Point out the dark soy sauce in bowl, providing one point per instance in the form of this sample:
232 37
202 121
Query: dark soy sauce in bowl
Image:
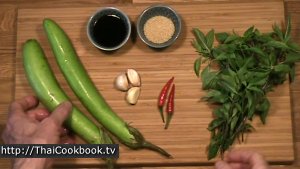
110 31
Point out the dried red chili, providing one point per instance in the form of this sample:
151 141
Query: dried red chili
170 106
163 97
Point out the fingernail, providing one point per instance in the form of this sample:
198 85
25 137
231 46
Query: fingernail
64 131
65 107
66 104
42 114
68 140
31 99
69 105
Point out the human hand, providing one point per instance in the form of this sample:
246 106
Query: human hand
242 160
28 124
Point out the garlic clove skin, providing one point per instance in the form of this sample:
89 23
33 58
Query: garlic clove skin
133 94
121 82
133 77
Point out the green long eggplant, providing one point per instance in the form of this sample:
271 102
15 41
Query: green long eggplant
90 97
47 89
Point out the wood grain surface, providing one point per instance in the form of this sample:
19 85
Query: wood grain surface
187 137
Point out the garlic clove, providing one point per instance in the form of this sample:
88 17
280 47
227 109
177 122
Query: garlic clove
134 77
133 95
121 82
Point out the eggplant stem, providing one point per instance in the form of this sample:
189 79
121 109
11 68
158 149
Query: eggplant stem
140 142
106 139
154 147
110 163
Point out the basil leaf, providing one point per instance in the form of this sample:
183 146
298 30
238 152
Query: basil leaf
292 57
263 109
221 37
292 73
218 112
255 89
272 58
197 65
251 104
197 46
233 123
214 124
212 151
287 34
229 79
228 143
282 68
207 78
247 127
260 81
249 31
222 56
215 96
201 40
231 38
278 32
257 51
277 44
294 46
210 36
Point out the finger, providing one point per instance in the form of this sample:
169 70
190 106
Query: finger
239 166
67 140
4 137
64 131
49 163
222 165
24 104
239 156
249 157
60 114
38 114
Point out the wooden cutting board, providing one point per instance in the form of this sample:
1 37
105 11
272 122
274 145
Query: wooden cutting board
187 137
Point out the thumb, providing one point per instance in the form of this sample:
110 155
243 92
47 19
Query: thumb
60 114
222 165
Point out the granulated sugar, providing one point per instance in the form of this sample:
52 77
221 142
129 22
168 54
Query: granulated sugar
159 29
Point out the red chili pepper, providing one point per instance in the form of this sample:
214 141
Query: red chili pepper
163 97
170 106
